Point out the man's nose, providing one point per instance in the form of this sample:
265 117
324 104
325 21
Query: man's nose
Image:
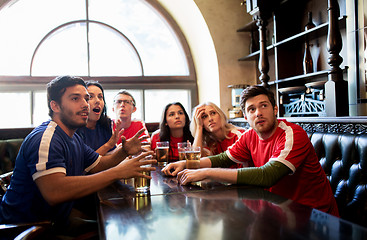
85 103
258 112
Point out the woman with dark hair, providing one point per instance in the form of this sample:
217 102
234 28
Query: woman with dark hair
174 128
98 133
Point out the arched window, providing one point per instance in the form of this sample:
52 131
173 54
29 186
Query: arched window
132 44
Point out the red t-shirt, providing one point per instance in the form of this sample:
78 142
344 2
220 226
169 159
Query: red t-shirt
173 150
130 132
291 146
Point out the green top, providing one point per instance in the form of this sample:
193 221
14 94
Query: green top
264 176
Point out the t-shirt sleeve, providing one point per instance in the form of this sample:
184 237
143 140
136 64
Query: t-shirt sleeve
239 152
145 133
45 154
291 147
91 158
155 139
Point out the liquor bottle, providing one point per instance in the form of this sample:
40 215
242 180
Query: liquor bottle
307 60
309 24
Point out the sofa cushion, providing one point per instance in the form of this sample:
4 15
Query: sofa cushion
8 153
344 160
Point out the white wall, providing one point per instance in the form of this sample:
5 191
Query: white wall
193 25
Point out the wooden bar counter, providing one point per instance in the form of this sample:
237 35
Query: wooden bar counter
210 210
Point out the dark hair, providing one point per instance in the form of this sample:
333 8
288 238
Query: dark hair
253 91
165 132
104 120
57 87
125 92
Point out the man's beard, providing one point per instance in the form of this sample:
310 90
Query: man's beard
67 121
267 130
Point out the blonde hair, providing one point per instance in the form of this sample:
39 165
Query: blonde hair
209 138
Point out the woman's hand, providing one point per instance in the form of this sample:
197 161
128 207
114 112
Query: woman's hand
199 112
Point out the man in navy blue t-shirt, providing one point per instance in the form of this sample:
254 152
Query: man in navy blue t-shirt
49 173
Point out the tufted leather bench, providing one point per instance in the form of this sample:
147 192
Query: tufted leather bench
8 153
344 160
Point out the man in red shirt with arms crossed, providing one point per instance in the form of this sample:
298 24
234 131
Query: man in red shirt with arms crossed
283 157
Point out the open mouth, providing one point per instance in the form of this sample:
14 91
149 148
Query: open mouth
96 110
83 114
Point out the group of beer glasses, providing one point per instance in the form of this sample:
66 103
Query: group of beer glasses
185 152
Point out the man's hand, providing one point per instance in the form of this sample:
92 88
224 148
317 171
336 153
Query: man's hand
117 134
175 166
191 175
134 145
131 167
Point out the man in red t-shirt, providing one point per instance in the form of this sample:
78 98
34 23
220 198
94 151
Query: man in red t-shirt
124 107
283 157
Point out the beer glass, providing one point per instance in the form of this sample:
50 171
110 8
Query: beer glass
141 184
161 152
193 155
181 149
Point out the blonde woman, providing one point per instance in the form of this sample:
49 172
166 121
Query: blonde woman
211 130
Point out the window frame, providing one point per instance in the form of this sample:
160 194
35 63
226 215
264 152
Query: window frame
189 82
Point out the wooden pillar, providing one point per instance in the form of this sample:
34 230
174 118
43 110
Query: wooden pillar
336 89
261 10
263 57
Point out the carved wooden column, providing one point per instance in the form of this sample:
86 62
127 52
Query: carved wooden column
263 57
261 10
336 89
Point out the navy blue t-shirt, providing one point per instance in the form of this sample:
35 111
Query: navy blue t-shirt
46 150
95 138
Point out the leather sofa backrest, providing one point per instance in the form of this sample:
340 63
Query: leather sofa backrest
8 153
344 160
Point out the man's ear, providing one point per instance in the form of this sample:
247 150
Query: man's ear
244 115
134 110
55 106
275 110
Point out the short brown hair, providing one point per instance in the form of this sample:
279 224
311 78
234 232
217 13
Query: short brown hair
57 87
253 91
125 92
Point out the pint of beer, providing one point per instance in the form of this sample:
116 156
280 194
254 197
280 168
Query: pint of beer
141 184
193 155
161 152
181 147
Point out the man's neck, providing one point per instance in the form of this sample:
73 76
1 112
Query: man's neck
268 134
125 122
68 131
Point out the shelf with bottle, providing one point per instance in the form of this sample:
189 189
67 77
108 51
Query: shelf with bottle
308 76
311 34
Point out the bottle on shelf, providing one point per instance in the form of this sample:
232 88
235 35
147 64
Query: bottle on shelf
309 24
307 59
